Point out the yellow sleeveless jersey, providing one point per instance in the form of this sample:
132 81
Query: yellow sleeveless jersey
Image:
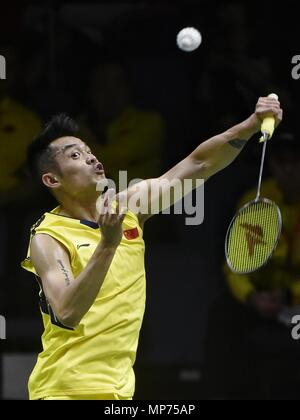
97 357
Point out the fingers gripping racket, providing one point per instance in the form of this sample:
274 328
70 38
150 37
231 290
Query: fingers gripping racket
255 230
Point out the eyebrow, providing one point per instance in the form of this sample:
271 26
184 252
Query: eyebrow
70 146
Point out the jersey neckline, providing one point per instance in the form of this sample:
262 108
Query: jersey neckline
88 223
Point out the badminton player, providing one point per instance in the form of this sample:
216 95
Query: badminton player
90 263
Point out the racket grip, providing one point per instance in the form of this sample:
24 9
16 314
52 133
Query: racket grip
268 124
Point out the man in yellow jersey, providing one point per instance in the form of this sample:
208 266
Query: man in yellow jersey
90 263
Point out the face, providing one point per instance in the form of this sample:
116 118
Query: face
80 169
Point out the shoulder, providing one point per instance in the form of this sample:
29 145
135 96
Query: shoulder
43 221
37 224
49 219
52 230
44 244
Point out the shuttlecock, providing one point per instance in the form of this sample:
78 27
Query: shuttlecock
189 39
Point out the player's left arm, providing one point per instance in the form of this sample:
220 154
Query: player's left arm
206 160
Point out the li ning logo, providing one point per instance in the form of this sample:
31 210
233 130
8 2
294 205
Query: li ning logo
2 68
254 236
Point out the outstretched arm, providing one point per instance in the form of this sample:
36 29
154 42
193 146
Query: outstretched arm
207 159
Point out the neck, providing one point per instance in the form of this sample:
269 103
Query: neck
80 209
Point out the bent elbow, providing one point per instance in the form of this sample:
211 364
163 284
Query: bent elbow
68 319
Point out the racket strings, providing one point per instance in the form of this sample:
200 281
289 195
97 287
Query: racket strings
253 236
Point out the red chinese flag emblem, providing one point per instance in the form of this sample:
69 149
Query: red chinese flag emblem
131 234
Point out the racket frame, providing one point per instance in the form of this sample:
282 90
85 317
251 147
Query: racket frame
265 201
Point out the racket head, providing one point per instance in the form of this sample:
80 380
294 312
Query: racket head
253 236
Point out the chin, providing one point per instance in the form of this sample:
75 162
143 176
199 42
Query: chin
100 178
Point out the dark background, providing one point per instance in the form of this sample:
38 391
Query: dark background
197 94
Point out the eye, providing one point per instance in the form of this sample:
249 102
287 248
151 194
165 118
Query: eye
89 152
75 155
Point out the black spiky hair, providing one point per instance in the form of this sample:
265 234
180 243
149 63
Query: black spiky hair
40 154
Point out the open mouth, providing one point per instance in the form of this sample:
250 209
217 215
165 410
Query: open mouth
99 168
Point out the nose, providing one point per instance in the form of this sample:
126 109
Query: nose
91 160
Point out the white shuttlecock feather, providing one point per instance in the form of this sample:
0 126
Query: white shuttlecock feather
189 39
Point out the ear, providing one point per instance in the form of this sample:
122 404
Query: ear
51 180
